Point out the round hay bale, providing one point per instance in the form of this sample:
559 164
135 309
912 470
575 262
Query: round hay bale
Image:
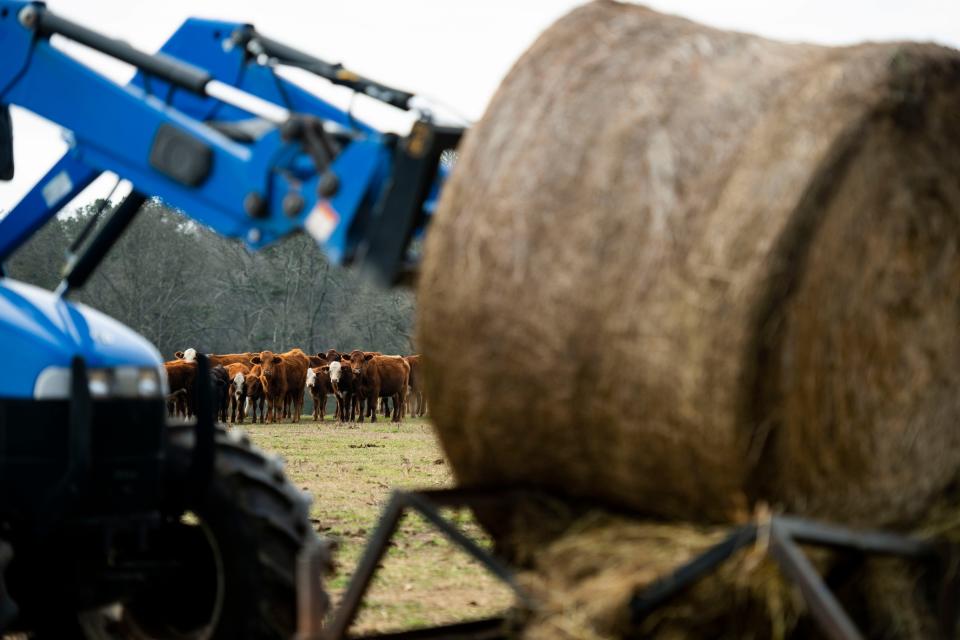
683 270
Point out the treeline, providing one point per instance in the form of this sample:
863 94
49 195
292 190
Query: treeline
181 285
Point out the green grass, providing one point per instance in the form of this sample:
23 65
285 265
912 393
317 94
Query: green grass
350 470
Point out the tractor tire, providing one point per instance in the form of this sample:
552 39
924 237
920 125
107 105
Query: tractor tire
242 536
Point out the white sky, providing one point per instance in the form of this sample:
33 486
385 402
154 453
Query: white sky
454 51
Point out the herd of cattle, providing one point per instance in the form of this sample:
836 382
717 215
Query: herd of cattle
271 386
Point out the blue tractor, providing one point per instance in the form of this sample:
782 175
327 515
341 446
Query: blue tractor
115 522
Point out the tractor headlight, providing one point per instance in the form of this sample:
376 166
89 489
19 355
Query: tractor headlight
99 382
53 383
148 383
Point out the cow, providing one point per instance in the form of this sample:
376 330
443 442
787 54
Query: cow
417 399
177 402
273 380
180 377
255 394
220 384
384 377
190 355
284 378
238 373
357 356
331 355
319 385
344 381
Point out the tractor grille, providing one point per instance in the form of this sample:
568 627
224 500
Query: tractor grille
126 461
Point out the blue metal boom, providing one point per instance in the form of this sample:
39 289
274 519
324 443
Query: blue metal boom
266 185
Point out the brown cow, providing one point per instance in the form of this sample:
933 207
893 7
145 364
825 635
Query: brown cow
418 400
284 378
384 377
274 382
332 355
180 377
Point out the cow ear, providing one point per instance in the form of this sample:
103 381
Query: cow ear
325 368
321 356
277 360
368 356
178 355
255 359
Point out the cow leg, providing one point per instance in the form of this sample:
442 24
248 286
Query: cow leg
374 401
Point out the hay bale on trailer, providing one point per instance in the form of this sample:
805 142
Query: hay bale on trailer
686 271
681 270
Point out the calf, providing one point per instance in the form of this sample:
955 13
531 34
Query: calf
344 381
220 382
256 398
177 403
238 373
384 377
319 385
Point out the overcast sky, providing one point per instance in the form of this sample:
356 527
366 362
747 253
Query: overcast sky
455 51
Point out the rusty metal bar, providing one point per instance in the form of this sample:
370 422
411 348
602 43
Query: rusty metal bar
423 503
346 613
826 610
504 573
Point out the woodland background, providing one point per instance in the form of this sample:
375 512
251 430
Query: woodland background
180 285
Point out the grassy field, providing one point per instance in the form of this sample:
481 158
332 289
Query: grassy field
350 470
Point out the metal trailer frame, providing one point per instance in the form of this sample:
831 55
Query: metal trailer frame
783 533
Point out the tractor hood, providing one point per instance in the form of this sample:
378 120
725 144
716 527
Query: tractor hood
38 330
